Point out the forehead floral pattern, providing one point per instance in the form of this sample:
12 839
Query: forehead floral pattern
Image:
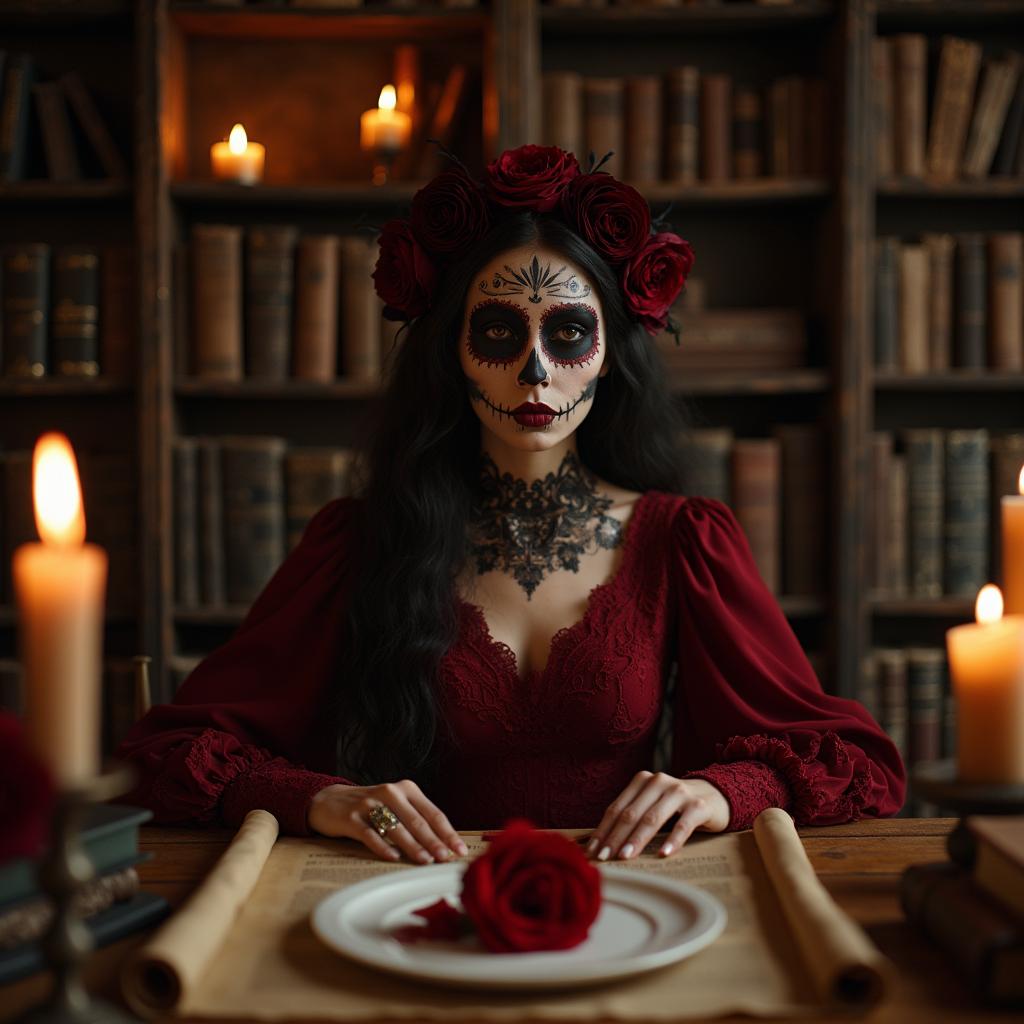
454 211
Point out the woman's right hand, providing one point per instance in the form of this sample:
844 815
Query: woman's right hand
424 834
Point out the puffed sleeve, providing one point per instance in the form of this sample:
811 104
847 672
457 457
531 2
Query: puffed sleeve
247 728
751 716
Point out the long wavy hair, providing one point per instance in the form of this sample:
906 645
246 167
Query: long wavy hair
420 468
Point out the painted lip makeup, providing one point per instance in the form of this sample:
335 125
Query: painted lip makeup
533 414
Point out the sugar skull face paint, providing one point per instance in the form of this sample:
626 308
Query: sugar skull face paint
532 347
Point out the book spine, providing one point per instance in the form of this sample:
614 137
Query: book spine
913 308
14 116
926 668
26 309
360 310
971 301
312 479
316 309
563 111
954 95
866 692
716 127
55 128
1013 132
882 105
683 119
75 311
217 301
747 127
755 485
643 128
803 517
940 300
604 120
706 459
186 524
778 129
910 103
887 317
1006 301
892 696
797 126
998 82
818 139
925 463
254 534
118 306
1007 458
269 280
92 124
211 523
878 538
894 581
967 511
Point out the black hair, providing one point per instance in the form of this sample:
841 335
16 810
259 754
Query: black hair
421 468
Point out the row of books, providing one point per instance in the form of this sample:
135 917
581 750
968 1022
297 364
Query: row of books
109 494
240 504
35 111
934 522
66 310
974 127
690 125
946 300
776 486
269 305
648 4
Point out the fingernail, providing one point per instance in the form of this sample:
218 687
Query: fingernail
393 853
626 851
461 848
665 850
423 857
441 853
606 852
591 847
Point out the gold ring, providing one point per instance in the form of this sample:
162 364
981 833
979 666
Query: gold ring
383 819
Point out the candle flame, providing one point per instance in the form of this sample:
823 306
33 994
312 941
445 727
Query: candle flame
388 99
1020 481
57 494
989 606
238 140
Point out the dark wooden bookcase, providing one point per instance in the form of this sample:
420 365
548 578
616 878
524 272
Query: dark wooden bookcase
179 73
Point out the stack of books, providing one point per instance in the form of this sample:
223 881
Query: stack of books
973 906
112 903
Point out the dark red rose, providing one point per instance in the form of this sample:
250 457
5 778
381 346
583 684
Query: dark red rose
443 923
449 214
530 891
654 277
404 276
609 214
531 177
26 793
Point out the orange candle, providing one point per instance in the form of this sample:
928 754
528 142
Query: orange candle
59 586
1012 508
384 127
986 666
238 159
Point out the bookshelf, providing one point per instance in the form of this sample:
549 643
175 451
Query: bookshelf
804 242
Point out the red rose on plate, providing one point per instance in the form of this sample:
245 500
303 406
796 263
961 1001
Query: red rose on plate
654 277
531 891
450 213
609 214
404 276
531 177
26 793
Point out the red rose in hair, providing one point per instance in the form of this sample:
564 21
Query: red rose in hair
654 277
609 214
530 891
404 276
450 213
531 177
26 793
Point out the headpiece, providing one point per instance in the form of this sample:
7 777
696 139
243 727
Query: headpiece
454 210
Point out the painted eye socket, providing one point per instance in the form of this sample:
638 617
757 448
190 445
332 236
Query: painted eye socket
497 332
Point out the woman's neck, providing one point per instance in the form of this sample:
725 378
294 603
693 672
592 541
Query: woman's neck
499 458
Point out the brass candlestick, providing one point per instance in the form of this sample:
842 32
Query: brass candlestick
64 869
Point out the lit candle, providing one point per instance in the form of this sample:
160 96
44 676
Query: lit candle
384 127
59 585
238 159
986 666
1012 507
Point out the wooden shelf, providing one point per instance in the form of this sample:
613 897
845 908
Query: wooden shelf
923 608
894 14
954 380
633 21
45 13
61 387
65 192
351 194
987 188
756 191
286 390
778 382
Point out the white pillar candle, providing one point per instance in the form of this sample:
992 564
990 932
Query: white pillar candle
384 127
59 587
238 159
1012 508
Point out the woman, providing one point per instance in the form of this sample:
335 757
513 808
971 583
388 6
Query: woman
488 631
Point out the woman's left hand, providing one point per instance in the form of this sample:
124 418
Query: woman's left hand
640 810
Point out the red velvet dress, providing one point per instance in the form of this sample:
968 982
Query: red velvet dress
249 727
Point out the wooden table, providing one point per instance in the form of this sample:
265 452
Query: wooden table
859 863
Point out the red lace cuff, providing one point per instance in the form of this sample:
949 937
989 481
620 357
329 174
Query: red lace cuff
277 786
749 787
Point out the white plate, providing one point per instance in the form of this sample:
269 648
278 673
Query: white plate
645 923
